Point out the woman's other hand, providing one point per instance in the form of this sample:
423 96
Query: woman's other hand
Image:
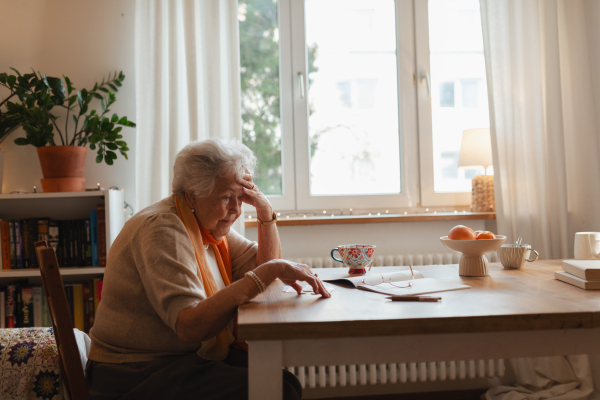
291 272
253 196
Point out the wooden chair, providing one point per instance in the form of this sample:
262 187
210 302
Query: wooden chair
70 361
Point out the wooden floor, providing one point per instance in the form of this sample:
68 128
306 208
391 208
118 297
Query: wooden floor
452 395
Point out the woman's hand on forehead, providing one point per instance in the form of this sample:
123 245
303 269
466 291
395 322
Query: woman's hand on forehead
253 196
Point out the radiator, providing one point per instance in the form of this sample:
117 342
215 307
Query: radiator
395 260
381 374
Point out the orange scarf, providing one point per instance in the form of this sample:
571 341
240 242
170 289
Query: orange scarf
215 348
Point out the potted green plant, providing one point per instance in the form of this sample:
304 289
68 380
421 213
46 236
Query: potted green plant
32 102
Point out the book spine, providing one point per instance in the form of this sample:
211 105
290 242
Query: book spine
53 233
43 226
64 249
46 320
25 233
78 313
87 321
80 243
94 232
18 245
18 309
87 235
101 235
11 305
42 229
2 310
26 307
72 245
37 307
33 234
5 236
13 249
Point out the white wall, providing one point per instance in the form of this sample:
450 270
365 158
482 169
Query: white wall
83 40
390 238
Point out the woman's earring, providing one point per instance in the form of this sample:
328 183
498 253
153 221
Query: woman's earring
193 210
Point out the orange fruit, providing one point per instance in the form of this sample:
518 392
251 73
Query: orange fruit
461 232
486 235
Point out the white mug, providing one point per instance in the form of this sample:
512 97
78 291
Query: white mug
515 257
587 246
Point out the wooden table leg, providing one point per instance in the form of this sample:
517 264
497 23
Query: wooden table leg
265 364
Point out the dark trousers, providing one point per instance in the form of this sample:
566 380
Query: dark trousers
179 377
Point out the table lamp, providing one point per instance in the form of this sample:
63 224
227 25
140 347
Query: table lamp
476 151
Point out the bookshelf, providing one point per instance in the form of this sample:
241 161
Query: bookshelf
69 205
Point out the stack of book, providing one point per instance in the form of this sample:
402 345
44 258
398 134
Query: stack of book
581 273
24 306
76 242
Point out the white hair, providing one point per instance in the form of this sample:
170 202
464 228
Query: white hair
199 163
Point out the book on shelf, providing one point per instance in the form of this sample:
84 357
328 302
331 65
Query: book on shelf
388 283
37 306
11 305
74 242
18 245
94 233
5 244
13 250
25 306
101 235
26 246
53 233
32 224
86 248
576 281
585 269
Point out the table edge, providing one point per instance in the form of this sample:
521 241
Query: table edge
424 326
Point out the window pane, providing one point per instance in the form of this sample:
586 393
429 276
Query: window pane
459 90
261 116
353 97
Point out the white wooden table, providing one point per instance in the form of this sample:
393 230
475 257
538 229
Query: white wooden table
512 313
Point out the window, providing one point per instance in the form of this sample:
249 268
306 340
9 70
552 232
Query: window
340 106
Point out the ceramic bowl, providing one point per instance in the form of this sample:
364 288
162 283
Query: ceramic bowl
473 261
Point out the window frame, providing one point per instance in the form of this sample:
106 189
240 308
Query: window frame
429 197
414 110
408 197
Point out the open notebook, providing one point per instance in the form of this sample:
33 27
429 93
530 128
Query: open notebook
421 285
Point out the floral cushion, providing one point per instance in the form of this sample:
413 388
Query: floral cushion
29 365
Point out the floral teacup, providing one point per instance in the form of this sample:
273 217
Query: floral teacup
357 257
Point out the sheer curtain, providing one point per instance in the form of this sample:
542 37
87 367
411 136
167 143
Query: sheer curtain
539 58
187 82
544 98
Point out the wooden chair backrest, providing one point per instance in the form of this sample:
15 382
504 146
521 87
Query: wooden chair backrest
70 361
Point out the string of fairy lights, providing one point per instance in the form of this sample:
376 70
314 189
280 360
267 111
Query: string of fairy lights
344 213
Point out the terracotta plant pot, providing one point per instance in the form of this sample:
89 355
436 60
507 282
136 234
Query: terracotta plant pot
62 167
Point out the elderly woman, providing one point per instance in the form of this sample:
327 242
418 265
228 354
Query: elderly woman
175 276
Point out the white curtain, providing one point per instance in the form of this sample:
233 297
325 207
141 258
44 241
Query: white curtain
187 84
540 55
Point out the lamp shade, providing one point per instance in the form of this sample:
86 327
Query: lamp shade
475 148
